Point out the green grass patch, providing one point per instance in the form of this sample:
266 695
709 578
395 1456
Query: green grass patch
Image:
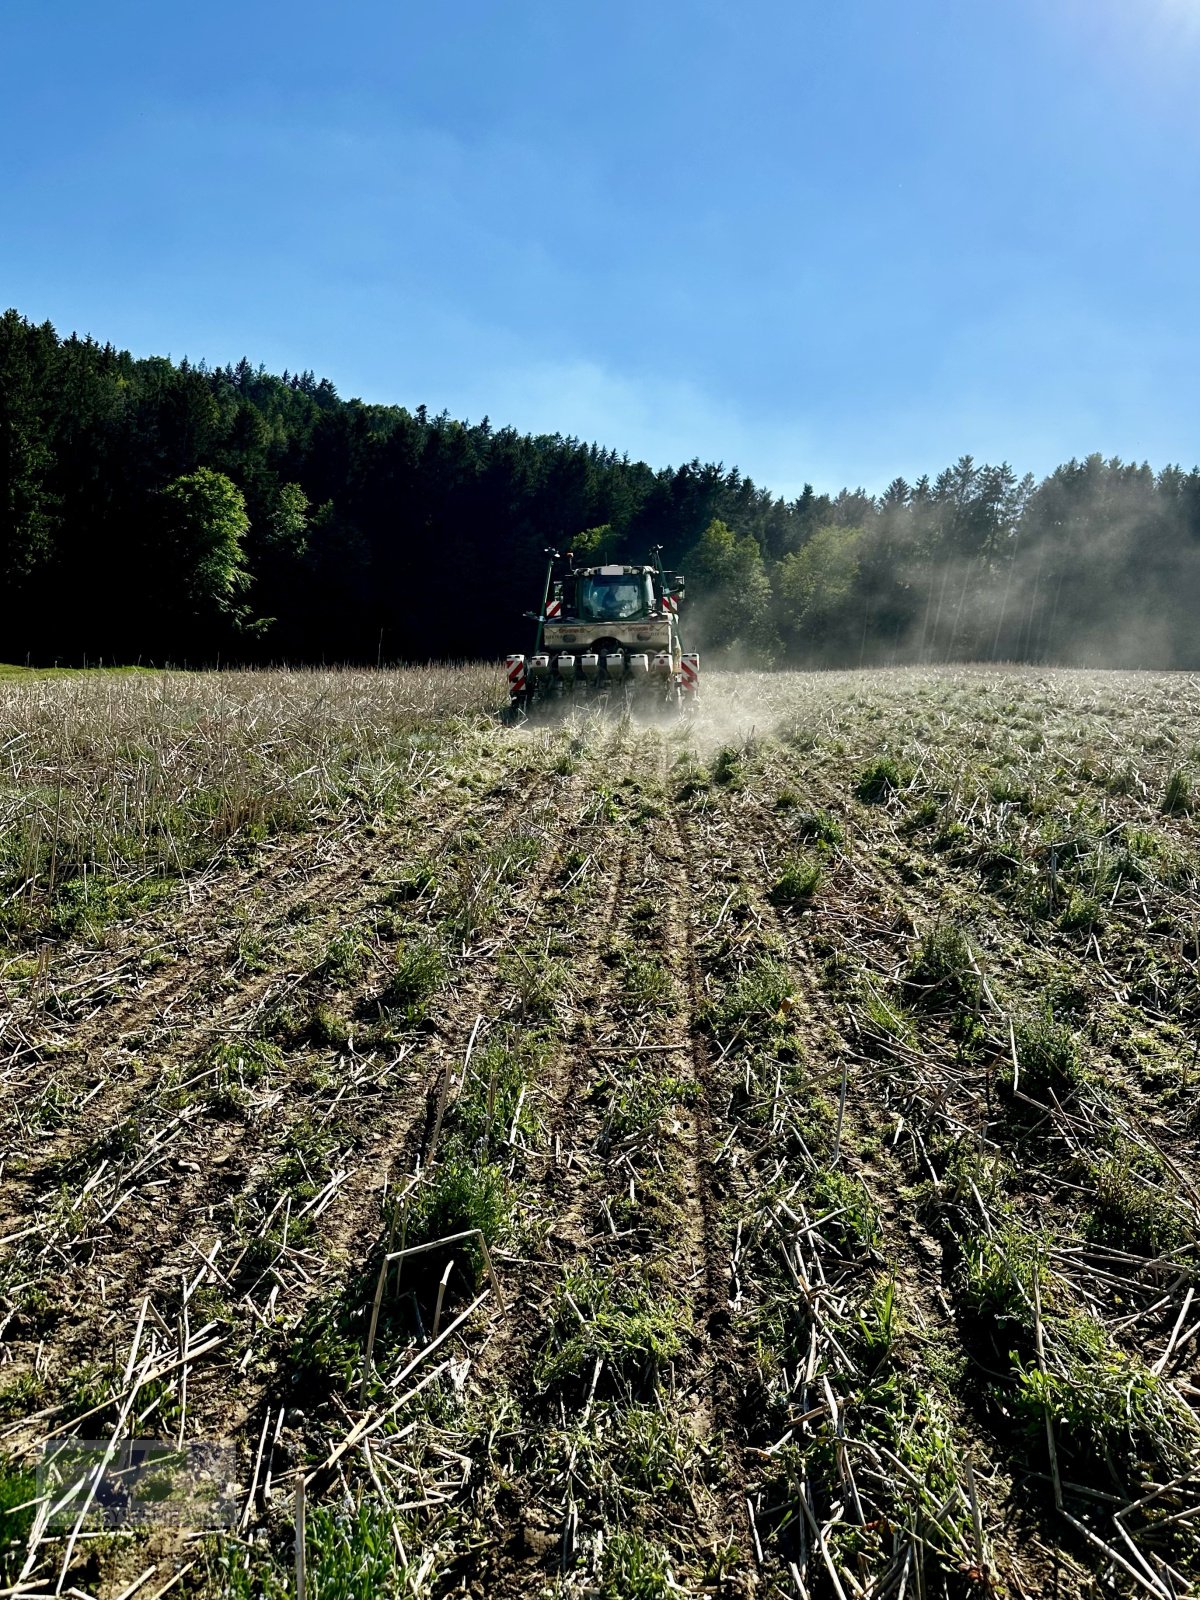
728 769
755 1005
343 960
887 1015
819 827
624 1320
638 1097
942 967
798 880
634 1568
1048 1057
997 1279
494 1103
628 1455
351 1554
1081 914
17 1486
645 979
856 1223
463 1193
418 972
1129 1213
83 906
1106 1404
21 1395
538 982
414 882
1177 796
881 779
238 1068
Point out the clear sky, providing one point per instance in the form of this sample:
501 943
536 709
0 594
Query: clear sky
826 240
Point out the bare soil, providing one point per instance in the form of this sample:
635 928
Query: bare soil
820 1077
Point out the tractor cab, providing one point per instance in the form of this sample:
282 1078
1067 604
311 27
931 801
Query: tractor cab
614 594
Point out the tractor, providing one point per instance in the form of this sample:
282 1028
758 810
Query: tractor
608 632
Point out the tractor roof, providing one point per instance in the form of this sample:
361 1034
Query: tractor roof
611 572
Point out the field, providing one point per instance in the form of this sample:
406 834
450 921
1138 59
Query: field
759 1157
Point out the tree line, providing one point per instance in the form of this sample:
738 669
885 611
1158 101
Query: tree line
160 511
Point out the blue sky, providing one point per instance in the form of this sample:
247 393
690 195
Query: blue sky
828 242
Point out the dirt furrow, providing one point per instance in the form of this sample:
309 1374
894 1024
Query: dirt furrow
716 1185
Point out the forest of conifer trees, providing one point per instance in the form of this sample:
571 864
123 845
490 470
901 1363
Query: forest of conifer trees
157 511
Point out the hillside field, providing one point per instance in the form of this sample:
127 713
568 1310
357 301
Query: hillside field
755 1156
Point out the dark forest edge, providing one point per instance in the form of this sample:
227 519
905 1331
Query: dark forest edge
156 511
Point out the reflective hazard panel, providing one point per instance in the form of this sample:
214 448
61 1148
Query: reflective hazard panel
516 674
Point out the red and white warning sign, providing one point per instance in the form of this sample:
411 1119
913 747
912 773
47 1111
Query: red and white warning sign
516 674
553 608
689 673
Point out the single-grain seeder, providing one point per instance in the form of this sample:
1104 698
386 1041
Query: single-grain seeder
606 634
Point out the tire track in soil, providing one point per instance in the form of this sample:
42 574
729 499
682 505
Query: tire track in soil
567 1170
746 829
703 1380
866 1120
724 1383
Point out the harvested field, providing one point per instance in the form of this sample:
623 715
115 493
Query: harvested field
759 1157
